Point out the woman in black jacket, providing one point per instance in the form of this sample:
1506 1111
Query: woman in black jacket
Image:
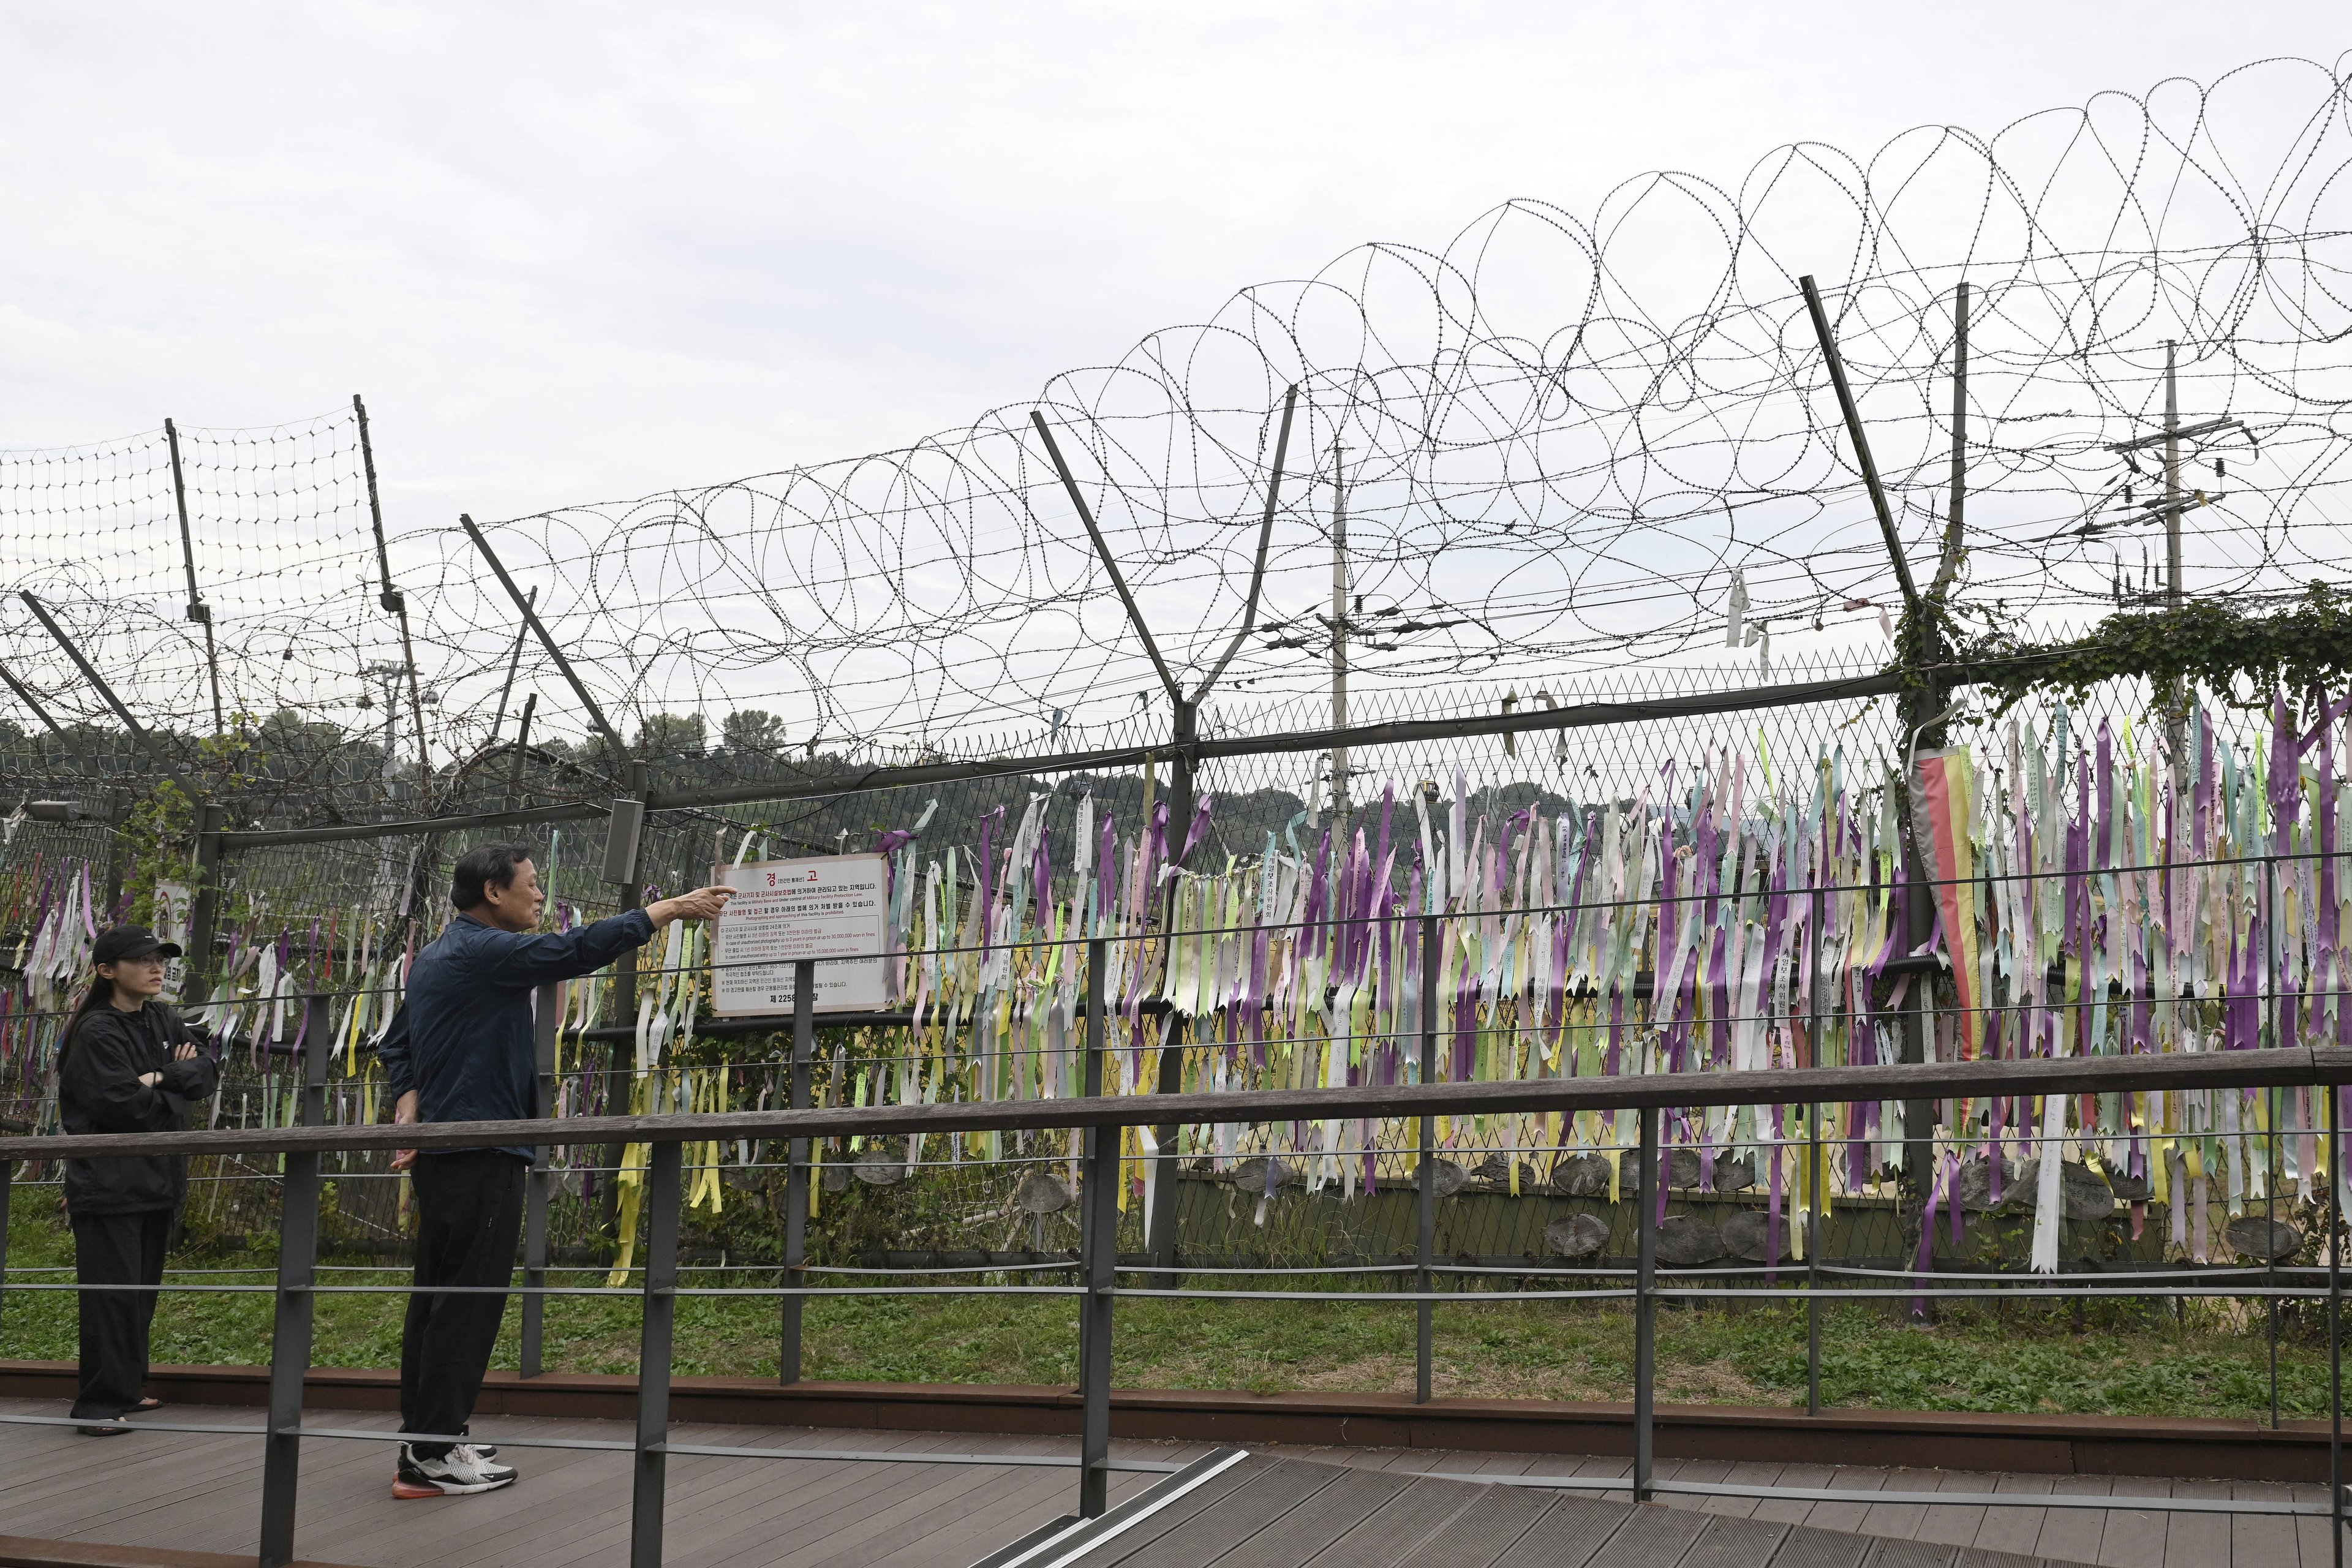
129 1064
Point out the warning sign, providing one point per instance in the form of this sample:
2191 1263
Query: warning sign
831 907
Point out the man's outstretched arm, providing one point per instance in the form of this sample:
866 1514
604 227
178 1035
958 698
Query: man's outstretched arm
516 958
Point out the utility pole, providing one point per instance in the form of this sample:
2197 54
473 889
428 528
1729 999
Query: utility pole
2176 698
1338 636
2171 477
2176 587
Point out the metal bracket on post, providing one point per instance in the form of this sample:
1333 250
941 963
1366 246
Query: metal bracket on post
538 1185
289 1345
796 1174
664 1192
1645 1307
1097 1261
1425 1174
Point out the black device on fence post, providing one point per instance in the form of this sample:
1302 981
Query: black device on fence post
1097 1262
796 1175
538 1185
1425 1174
664 1195
1646 1303
290 1341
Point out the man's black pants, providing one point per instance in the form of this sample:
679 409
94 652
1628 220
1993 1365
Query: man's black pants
116 1249
469 1215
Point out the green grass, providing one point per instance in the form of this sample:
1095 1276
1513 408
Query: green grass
2115 1359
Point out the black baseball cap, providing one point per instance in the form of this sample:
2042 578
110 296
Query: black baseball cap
116 943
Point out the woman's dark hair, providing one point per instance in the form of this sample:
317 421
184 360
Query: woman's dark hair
484 866
100 993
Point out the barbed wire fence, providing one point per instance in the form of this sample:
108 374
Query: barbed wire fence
1567 464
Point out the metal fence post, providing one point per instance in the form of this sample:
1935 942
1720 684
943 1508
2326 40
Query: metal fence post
204 908
289 1342
538 1186
1645 1306
796 1175
1097 1262
1425 1176
663 1192
637 783
1813 1169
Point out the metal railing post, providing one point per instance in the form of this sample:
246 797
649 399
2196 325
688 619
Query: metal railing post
1425 1176
1814 1261
664 1192
1097 1262
796 1174
2273 953
290 1341
538 1186
8 1182
1645 1306
2335 1326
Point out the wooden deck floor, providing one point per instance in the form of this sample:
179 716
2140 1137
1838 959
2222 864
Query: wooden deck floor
570 1508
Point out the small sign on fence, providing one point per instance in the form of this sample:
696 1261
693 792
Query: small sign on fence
830 906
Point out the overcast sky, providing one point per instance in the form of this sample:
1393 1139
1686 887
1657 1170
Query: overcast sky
583 251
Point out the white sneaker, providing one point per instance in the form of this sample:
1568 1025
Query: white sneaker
460 1471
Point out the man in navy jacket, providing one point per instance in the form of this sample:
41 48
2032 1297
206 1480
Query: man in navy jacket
460 1050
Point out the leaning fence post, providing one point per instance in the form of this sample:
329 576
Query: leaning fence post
796 1176
1646 1321
1425 1174
1097 1262
662 1191
538 1184
289 1342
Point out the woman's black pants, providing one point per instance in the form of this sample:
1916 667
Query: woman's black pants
117 1249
